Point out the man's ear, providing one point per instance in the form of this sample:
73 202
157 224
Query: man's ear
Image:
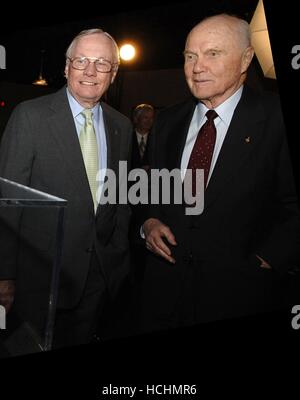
113 76
66 70
247 58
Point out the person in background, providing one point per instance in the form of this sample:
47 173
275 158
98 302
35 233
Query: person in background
143 118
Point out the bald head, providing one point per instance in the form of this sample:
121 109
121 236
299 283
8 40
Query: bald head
217 56
236 28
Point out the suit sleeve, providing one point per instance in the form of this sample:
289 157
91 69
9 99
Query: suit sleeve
152 210
281 247
124 210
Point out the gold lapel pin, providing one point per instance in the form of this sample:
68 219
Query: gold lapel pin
247 139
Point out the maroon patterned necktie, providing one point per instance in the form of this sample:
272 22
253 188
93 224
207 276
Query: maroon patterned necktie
203 149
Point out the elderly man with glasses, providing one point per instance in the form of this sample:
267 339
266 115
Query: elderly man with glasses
57 144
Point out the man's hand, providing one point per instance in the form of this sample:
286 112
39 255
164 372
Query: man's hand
155 231
7 293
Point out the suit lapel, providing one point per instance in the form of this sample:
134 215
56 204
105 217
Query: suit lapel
241 140
112 139
112 134
62 126
178 134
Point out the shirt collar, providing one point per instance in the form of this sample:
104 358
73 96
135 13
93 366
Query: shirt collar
77 108
225 110
140 135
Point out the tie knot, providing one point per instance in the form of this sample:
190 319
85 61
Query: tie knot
211 115
87 113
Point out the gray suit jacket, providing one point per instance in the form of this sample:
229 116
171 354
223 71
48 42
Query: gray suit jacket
40 148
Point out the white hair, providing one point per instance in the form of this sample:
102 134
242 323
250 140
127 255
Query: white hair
140 108
93 31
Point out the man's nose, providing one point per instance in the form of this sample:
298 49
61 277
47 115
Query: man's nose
199 65
91 69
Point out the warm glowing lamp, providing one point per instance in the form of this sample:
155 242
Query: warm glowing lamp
127 52
41 81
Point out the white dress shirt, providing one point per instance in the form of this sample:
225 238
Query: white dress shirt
139 137
98 122
225 112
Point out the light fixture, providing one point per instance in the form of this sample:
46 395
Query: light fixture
127 52
41 81
261 41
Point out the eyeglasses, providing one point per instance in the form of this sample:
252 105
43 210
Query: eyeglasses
101 64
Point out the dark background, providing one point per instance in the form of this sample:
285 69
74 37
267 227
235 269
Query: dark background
230 359
158 29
